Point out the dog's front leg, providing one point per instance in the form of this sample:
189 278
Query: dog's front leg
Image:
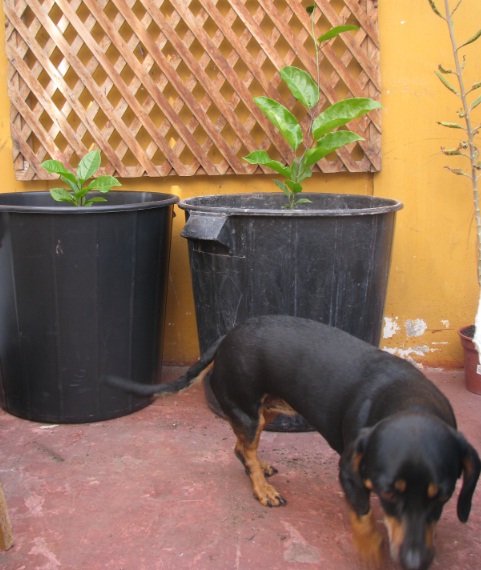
365 535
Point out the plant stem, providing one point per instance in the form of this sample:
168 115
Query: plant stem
469 130
312 112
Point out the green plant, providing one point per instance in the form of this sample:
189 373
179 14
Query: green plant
321 136
77 194
467 124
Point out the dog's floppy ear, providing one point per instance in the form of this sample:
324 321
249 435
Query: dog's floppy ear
356 490
358 449
471 468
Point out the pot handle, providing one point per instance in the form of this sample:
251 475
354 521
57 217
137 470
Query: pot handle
206 227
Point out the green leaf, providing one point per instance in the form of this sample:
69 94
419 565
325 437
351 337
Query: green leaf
443 70
81 192
301 85
446 83
471 39
71 180
283 187
458 171
341 113
61 195
333 32
294 187
94 200
103 183
282 119
475 103
261 157
304 201
310 9
88 166
55 167
475 86
302 170
450 125
329 143
450 151
435 9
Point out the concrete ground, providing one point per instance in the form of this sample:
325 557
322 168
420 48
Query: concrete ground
161 489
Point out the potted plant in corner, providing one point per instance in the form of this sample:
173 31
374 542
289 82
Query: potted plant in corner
319 256
82 294
470 100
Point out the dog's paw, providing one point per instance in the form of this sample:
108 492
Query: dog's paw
268 496
268 469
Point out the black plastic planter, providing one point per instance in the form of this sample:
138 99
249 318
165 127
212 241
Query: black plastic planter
328 261
82 294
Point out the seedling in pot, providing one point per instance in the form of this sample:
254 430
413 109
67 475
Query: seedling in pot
78 182
321 136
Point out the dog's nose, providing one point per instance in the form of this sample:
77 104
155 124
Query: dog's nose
414 559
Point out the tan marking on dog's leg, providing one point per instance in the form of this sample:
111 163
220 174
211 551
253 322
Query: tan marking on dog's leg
367 538
266 494
269 416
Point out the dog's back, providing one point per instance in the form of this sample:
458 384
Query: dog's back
323 373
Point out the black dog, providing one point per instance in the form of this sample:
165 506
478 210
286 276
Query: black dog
395 431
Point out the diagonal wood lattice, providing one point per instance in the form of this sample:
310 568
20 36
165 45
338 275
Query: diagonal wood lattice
166 87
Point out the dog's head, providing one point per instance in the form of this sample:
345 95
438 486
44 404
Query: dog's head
412 462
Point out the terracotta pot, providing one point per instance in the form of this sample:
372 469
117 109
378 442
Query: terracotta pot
472 367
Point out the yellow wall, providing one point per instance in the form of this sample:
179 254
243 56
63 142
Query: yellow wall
433 289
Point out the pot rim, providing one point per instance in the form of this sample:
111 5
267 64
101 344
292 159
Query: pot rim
381 205
137 201
461 332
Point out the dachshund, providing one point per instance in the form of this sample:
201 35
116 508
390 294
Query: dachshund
394 430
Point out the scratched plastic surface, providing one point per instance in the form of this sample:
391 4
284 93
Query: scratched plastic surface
328 261
82 294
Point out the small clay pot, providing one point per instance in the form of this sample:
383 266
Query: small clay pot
472 367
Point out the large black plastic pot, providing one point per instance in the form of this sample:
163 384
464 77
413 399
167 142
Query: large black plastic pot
82 294
328 261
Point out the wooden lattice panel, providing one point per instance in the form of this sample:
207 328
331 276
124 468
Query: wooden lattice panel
166 87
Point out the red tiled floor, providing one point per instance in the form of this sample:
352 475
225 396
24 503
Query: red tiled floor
161 489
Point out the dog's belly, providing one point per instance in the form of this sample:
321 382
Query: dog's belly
276 405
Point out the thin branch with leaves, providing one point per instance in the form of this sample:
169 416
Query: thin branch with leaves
467 123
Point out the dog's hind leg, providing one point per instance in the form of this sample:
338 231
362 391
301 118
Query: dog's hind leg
248 433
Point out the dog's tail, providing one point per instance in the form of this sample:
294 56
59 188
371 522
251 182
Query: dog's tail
181 383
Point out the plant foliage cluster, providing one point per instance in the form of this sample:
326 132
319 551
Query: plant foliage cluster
322 135
78 181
